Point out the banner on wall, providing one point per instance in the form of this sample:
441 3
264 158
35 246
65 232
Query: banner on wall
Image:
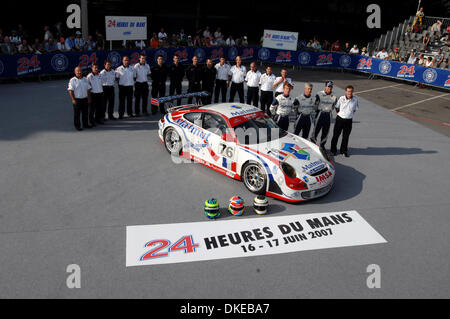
283 40
125 28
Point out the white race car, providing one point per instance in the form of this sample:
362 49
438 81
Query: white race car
244 143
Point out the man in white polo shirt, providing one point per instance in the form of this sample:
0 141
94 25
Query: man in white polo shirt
80 93
141 73
125 76
279 82
223 71
108 76
252 78
266 81
96 112
383 55
345 107
237 73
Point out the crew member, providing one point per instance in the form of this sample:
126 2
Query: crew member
176 75
346 107
282 106
267 80
324 104
194 76
223 71
125 76
208 79
80 93
96 111
141 73
252 78
279 82
305 110
237 79
159 76
108 77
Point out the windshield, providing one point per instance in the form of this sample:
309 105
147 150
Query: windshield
260 130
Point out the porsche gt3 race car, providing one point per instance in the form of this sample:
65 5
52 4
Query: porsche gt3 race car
244 143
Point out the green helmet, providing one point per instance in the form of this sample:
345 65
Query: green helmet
212 210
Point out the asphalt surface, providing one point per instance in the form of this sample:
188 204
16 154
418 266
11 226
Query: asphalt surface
67 197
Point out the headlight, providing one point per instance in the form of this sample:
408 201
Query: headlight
288 170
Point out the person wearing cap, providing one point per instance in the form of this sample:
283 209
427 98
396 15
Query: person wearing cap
159 74
208 79
141 73
194 74
282 106
252 79
346 107
125 77
324 105
237 78
223 71
279 82
266 82
96 111
80 93
176 75
305 109
395 56
108 76
79 42
354 50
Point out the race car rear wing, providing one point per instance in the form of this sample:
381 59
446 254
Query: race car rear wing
167 100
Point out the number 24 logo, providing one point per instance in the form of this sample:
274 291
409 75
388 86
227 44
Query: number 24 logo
185 243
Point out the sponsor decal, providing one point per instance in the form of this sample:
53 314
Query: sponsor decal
232 53
86 60
190 242
314 167
306 179
304 58
27 66
345 61
59 62
191 128
284 56
324 177
216 54
200 53
324 59
292 150
365 64
385 67
447 83
406 71
239 113
115 58
183 55
247 54
430 75
264 54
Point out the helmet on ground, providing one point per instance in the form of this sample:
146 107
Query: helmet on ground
260 204
211 207
236 206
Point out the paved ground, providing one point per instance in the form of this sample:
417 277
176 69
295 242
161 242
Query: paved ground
66 198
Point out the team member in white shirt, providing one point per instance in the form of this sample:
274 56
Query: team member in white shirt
252 78
96 111
266 82
305 110
125 76
141 90
223 72
346 107
237 78
108 76
279 82
80 93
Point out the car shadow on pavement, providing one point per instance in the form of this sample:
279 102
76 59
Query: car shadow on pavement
383 151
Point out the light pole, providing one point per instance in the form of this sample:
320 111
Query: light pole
84 19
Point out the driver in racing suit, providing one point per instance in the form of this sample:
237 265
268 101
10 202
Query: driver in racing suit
324 105
305 110
282 106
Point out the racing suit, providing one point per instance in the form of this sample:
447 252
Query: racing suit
281 108
324 105
304 120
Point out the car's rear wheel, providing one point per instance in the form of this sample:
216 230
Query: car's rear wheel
173 141
254 178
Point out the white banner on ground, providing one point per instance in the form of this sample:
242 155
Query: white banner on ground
281 40
188 242
125 28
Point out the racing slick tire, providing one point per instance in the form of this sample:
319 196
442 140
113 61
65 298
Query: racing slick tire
254 178
173 141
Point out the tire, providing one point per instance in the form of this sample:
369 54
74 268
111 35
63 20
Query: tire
173 141
254 178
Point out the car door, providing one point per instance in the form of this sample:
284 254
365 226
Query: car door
220 150
194 133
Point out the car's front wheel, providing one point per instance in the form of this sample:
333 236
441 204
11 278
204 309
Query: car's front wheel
172 141
254 178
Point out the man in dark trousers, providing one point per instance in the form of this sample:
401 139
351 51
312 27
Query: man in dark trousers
345 107
108 77
194 75
253 78
125 76
208 80
223 73
80 93
141 73
159 77
96 111
237 78
323 106
176 75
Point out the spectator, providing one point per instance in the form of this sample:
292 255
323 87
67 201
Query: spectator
182 35
364 52
412 58
90 44
51 46
154 42
206 33
7 47
140 44
347 47
47 33
220 41
197 41
375 52
437 26
421 60
80 44
61 45
354 50
426 40
38 47
21 32
326 45
383 55
409 29
417 25
14 38
230 41
336 46
316 45
213 42
189 41
395 56
100 40
70 43
218 33
173 41
25 48
439 58
445 64
59 29
429 62
162 34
